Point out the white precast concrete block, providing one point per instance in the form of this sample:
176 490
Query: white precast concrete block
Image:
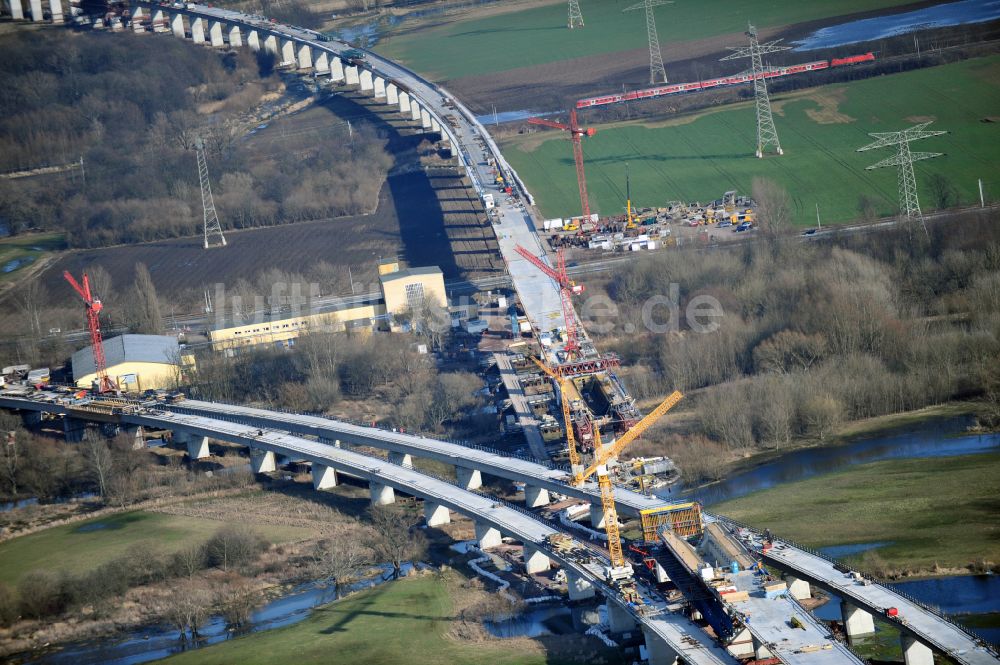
287 51
158 19
305 56
425 118
351 75
914 652
215 34
391 94
324 477
365 78
597 516
535 497
487 536
36 10
402 459
435 125
798 589
321 61
16 10
415 110
198 30
56 9
534 561
742 645
469 479
253 40
579 588
177 25
137 14
235 36
857 622
262 461
197 447
435 514
404 102
379 87
336 69
382 495
271 44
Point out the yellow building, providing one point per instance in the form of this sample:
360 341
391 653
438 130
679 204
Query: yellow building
283 331
409 289
135 363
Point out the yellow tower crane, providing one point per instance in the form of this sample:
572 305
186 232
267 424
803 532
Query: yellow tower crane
574 455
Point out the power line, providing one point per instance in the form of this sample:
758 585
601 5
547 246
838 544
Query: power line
767 135
213 230
657 73
909 203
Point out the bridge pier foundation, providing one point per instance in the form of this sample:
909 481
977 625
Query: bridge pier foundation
402 459
382 495
914 652
857 622
487 536
535 496
658 652
262 461
436 514
619 620
198 30
324 477
578 587
596 516
798 589
534 561
469 479
197 446
235 36
177 25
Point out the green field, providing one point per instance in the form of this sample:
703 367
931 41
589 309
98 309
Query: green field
539 35
401 622
697 158
83 546
19 252
932 511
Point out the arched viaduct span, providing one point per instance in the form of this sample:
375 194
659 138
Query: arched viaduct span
669 636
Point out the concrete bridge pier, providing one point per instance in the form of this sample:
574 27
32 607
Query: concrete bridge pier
321 61
425 118
469 479
391 94
215 34
382 495
287 52
262 461
857 622
305 58
658 652
619 620
365 77
253 40
198 30
137 14
798 589
271 45
487 536
760 650
197 446
578 587
157 19
742 645
914 652
36 10
401 459
30 418
16 10
597 516
414 111
404 103
137 435
351 75
324 477
435 125
379 87
336 69
74 430
436 514
235 36
330 442
55 8
177 25
535 561
536 496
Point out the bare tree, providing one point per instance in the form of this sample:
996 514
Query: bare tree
147 316
774 209
10 460
30 300
237 602
339 561
235 545
394 539
100 462
188 607
189 560
944 194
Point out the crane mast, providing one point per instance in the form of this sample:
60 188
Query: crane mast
94 308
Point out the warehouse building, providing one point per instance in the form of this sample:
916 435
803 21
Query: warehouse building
135 363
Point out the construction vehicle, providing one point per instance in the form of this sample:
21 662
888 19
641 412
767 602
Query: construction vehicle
619 572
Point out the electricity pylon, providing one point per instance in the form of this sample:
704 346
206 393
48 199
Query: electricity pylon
767 135
657 74
909 204
213 230
575 15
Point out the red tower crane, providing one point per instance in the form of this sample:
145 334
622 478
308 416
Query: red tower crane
94 326
567 288
576 134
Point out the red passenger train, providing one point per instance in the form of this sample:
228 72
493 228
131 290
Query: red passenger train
738 79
